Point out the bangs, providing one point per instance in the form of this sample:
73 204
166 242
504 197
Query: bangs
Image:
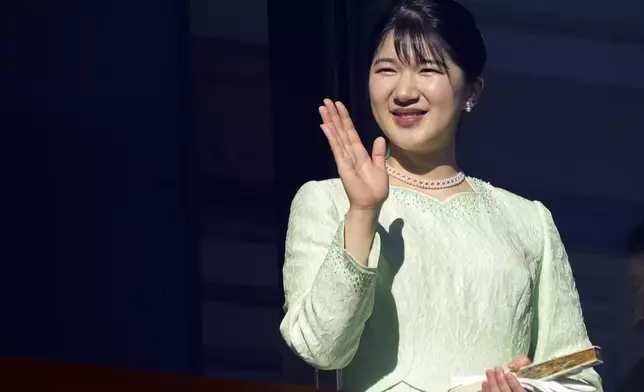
414 44
432 32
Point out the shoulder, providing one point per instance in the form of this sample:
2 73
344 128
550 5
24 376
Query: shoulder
321 194
320 189
331 185
531 210
528 218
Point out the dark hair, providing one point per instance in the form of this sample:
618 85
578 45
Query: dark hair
430 29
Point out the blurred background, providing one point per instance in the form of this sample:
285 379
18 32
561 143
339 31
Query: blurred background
153 148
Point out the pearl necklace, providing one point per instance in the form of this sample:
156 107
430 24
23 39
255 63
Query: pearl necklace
426 184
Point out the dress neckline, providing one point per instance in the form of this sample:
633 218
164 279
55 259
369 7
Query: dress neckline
471 181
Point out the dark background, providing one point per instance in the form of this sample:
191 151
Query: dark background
152 149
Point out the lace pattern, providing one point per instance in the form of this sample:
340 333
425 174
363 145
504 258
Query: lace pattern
453 287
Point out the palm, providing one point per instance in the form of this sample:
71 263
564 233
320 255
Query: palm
364 177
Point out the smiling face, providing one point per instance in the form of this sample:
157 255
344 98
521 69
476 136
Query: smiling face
416 104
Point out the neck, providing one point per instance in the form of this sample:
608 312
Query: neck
434 165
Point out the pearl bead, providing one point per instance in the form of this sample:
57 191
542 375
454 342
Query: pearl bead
426 184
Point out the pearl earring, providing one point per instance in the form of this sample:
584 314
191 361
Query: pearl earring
469 106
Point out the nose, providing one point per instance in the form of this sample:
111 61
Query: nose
406 91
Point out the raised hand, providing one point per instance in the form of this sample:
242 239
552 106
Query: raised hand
364 177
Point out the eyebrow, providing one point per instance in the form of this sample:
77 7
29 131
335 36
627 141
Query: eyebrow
395 61
384 60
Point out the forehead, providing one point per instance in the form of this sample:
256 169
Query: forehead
412 50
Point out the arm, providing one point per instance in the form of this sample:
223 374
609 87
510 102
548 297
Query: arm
558 323
329 295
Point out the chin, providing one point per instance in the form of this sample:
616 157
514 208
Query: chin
415 140
418 148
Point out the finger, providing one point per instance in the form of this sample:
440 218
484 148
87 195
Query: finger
336 147
501 381
352 137
328 121
524 361
347 122
513 383
514 365
378 153
326 117
486 386
491 380
519 362
330 125
335 120
345 149
332 112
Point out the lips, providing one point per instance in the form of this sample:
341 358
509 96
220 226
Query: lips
408 117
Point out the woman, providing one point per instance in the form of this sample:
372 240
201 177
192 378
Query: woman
404 272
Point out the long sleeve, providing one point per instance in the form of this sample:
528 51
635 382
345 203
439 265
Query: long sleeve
558 326
329 295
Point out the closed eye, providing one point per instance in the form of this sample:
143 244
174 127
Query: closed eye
430 70
385 70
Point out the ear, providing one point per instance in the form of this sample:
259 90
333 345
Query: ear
475 93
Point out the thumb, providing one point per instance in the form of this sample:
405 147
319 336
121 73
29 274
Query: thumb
378 152
519 362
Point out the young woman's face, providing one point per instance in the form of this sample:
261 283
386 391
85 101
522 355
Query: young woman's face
416 105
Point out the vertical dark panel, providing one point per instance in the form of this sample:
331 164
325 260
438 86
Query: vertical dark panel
302 76
299 71
102 257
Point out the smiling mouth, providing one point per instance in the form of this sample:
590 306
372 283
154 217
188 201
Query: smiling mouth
408 118
409 113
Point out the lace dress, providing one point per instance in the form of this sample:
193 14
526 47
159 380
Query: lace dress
452 288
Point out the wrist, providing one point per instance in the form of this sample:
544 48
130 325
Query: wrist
359 230
364 215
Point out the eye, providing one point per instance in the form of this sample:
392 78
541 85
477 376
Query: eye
430 70
386 71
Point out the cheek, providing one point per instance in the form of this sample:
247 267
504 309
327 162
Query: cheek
379 91
439 91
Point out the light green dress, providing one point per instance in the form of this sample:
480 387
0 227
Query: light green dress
452 288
